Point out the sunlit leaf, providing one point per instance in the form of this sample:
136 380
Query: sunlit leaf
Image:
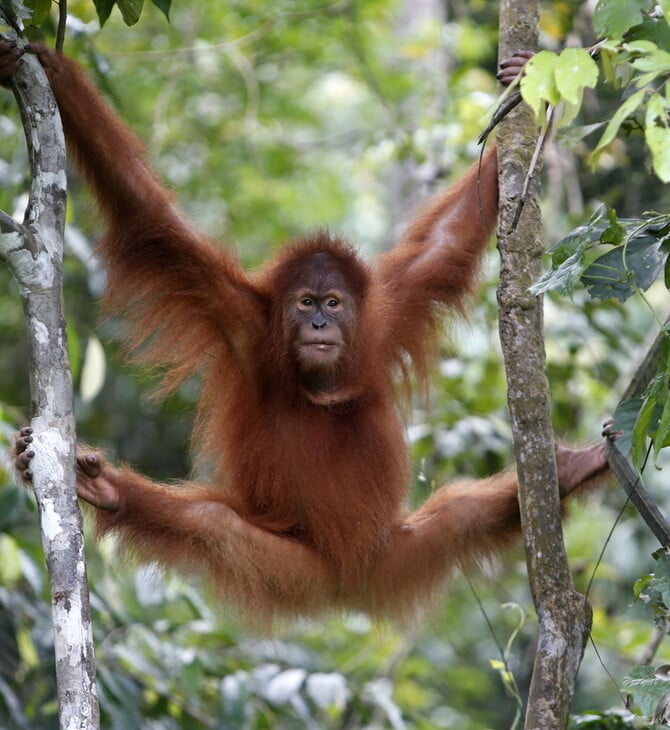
10 561
657 135
575 70
652 59
538 86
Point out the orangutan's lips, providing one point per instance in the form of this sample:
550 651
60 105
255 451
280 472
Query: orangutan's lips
320 344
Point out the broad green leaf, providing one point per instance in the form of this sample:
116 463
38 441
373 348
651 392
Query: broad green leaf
652 28
645 79
568 256
103 8
657 134
575 70
612 18
624 419
654 59
130 10
646 690
560 278
642 47
538 86
620 272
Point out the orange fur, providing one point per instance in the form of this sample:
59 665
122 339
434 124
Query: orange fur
306 508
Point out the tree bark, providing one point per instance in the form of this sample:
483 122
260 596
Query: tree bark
33 251
564 615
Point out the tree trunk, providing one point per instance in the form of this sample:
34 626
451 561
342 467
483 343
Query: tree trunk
564 615
33 251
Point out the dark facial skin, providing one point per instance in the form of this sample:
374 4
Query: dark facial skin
321 317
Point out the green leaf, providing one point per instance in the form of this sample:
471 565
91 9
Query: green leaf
619 273
662 434
624 419
568 256
608 61
575 70
612 18
650 57
538 86
650 417
657 135
615 233
10 561
163 6
103 8
640 585
561 278
621 114
652 28
130 10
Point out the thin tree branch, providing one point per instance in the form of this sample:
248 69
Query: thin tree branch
34 252
62 21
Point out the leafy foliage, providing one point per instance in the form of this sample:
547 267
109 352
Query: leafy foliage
131 10
634 59
637 252
552 79
649 687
